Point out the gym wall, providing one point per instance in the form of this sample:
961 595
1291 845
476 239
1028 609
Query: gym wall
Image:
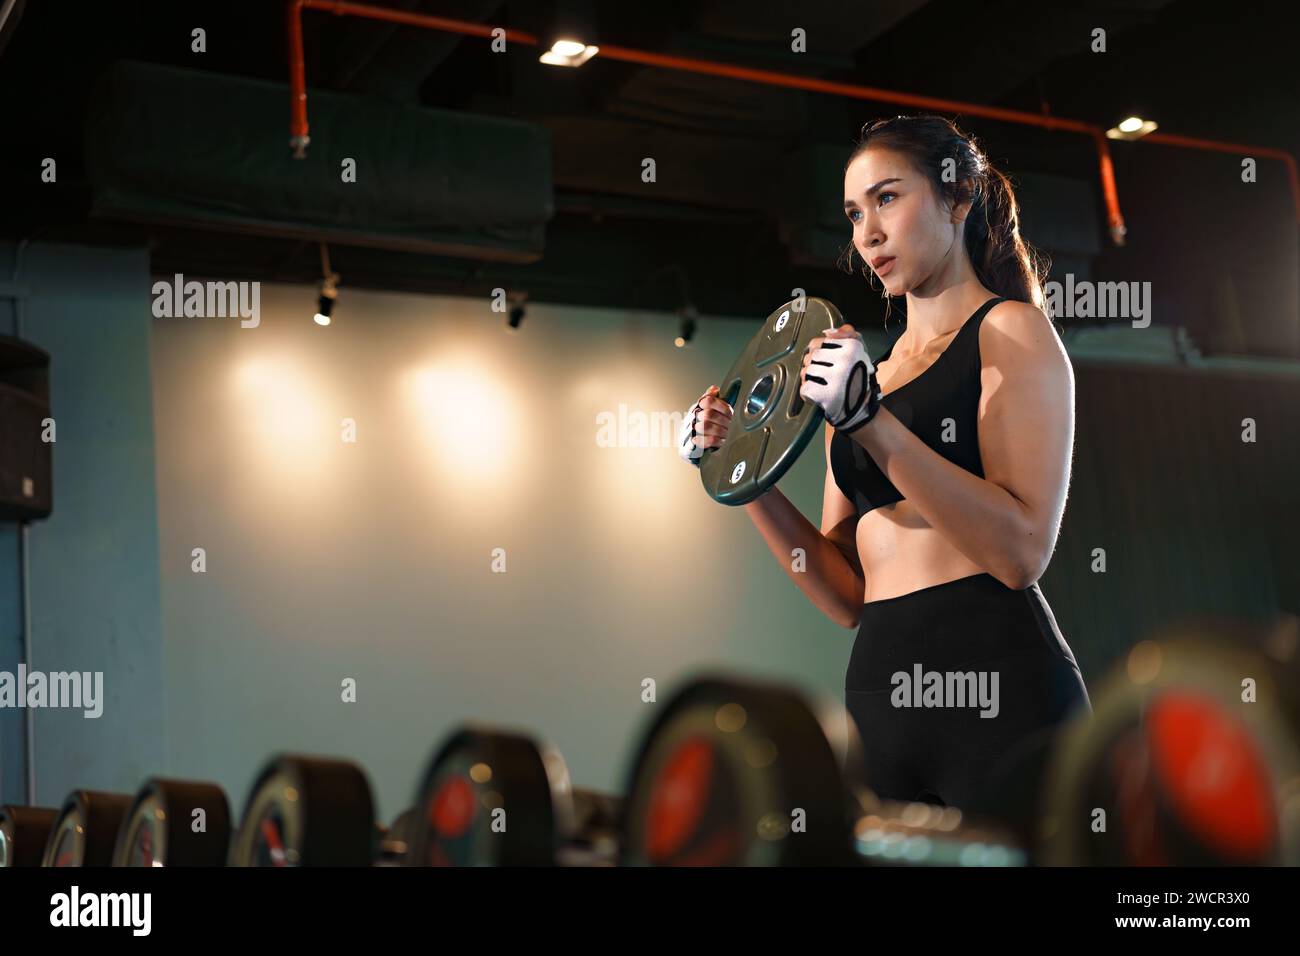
374 560
93 564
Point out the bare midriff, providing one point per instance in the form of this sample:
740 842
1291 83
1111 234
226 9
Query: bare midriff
899 550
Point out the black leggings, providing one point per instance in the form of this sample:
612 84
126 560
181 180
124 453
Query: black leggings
968 631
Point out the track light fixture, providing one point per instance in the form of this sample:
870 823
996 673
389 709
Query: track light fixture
329 289
518 309
688 314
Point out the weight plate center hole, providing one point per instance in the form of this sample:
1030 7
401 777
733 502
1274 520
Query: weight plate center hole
760 395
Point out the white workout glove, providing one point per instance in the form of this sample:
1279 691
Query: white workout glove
687 449
841 378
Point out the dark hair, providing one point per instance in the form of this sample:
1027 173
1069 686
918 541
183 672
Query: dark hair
1003 261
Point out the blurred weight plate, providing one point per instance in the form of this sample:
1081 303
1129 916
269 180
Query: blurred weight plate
489 798
495 797
24 832
733 773
1186 771
86 829
307 811
160 827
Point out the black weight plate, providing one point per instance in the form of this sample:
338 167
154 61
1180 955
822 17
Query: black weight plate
159 830
772 424
86 829
491 798
24 832
719 775
307 811
1186 772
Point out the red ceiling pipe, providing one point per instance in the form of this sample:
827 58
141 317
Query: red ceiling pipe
298 84
1114 217
298 138
1109 192
851 90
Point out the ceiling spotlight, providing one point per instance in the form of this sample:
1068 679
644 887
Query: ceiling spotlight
568 48
518 302
688 327
329 294
329 289
569 33
568 53
1133 127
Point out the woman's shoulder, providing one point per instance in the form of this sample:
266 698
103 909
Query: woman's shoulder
1012 311
1014 333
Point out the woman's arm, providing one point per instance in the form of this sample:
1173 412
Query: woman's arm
832 579
1008 521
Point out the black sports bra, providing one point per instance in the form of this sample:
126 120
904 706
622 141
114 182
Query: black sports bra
939 406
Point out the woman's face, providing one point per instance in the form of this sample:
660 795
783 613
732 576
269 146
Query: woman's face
899 227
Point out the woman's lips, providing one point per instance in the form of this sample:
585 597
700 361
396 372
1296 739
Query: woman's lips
884 266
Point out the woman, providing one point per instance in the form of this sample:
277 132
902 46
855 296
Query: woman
948 463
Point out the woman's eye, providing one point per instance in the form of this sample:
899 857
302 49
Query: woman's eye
881 197
852 213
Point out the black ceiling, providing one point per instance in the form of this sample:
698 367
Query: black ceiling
1213 70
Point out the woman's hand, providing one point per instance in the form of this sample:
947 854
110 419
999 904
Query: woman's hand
705 426
838 375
